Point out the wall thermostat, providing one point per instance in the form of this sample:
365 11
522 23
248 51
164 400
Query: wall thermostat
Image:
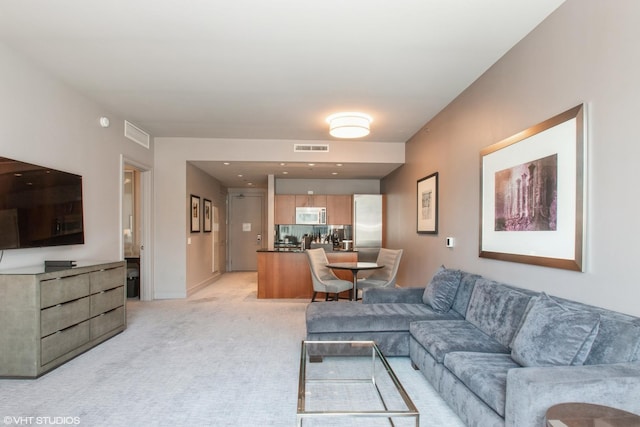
449 241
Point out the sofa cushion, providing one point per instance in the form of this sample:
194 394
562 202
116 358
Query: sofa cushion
461 301
553 335
484 374
618 341
496 309
442 288
618 338
353 316
439 337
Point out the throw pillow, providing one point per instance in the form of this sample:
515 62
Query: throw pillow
441 290
553 335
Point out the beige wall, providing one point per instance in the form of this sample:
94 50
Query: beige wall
43 121
586 51
200 268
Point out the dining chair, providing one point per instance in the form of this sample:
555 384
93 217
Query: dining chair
323 278
386 276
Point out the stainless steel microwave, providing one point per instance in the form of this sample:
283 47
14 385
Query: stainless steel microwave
311 215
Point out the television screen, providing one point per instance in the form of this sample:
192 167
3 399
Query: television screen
39 206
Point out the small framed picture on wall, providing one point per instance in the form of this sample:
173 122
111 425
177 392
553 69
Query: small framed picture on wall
427 204
206 215
195 214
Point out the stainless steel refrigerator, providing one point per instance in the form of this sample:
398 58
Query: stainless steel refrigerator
367 225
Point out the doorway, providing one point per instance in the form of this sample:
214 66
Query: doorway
136 228
246 219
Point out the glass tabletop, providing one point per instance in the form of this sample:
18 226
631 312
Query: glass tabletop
345 383
355 265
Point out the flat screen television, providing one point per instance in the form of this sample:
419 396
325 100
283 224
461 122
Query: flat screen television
39 206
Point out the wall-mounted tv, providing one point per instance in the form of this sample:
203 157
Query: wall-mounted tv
39 206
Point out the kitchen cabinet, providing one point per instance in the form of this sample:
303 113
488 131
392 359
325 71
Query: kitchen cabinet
339 209
311 200
49 317
286 274
284 209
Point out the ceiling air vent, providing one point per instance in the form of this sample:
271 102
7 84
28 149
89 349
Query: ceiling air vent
136 134
311 148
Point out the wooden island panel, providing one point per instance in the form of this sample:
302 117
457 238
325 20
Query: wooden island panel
287 275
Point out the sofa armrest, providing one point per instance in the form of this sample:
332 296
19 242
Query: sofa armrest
531 391
391 295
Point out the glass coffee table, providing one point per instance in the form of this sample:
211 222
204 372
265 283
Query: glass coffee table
350 383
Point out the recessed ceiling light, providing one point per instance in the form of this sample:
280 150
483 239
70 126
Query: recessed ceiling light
239 175
338 164
311 164
334 173
282 164
226 163
285 173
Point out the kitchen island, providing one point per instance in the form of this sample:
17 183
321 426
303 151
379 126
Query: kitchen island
286 273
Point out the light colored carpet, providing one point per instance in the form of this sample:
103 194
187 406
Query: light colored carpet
221 357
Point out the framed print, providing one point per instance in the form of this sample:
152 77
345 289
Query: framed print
195 214
427 203
206 215
532 194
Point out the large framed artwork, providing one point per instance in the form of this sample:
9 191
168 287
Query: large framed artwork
532 194
427 204
195 214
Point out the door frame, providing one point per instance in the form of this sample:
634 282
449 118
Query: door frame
146 213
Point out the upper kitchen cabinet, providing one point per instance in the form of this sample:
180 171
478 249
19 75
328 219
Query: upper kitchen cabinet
284 209
339 209
311 201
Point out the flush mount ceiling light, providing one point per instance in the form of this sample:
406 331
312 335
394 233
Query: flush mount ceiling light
349 125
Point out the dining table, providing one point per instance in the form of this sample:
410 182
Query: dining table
355 267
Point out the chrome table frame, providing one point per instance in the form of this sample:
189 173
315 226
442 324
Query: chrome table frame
359 349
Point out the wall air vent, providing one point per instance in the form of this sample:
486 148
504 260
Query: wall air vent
136 134
311 148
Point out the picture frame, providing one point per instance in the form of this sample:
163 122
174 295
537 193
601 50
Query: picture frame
427 204
206 215
195 214
532 194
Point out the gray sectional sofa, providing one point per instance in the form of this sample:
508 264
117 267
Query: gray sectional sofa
497 354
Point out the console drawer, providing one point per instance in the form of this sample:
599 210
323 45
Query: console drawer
107 300
62 316
106 279
62 342
107 322
56 291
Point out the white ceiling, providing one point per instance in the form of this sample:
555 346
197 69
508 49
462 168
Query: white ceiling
259 69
